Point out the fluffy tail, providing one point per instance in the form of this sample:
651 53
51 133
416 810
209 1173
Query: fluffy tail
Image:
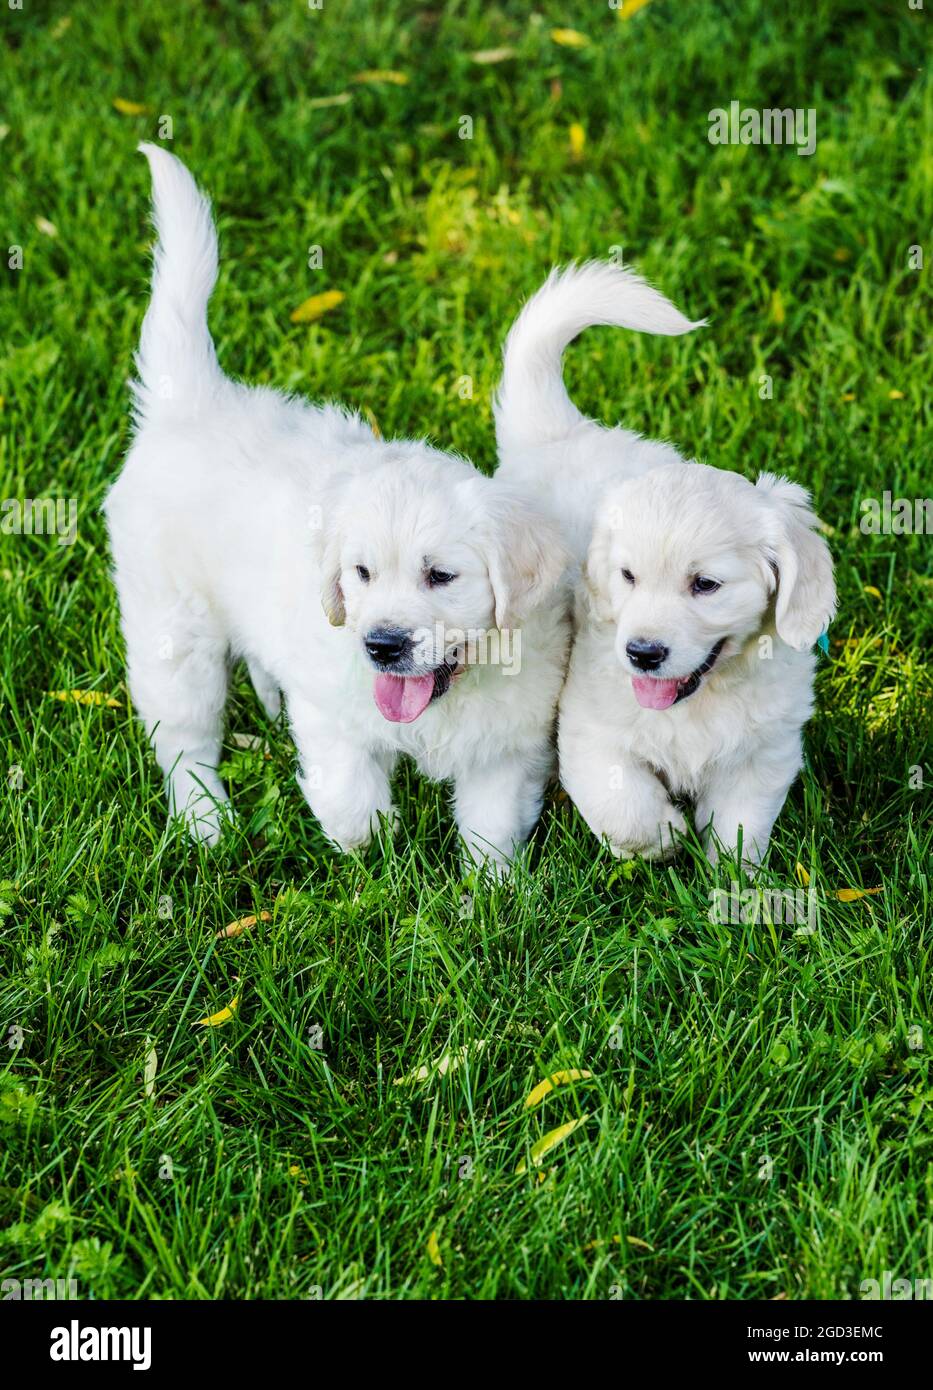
532 405
176 361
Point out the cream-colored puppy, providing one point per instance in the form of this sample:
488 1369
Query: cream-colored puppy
400 601
702 595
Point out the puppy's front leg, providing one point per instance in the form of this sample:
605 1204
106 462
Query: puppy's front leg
346 785
748 798
620 799
497 804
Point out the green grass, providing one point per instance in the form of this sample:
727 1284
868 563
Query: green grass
759 1120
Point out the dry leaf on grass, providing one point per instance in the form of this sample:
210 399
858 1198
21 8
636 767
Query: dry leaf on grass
130 108
318 305
557 1078
222 1016
86 697
150 1067
486 56
242 924
376 75
448 1062
550 1141
338 99
570 38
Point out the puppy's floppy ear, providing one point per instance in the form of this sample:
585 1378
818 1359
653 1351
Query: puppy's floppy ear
525 554
326 538
331 591
596 564
800 557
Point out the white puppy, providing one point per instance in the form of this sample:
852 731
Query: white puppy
702 596
394 595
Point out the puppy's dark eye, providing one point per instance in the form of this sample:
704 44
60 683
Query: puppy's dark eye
702 585
628 576
436 578
363 573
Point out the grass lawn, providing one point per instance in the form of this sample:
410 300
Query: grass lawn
758 1121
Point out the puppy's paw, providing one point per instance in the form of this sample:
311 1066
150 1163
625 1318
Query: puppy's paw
649 841
206 809
206 819
477 860
350 833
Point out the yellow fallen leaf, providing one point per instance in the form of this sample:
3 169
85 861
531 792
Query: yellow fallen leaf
550 1141
848 396
321 103
46 227
242 924
485 56
577 140
449 1061
130 108
86 697
317 305
223 1016
778 313
895 395
851 895
250 743
803 878
295 1172
870 589
617 1240
557 1078
598 1244
434 1250
397 79
630 7
150 1066
569 38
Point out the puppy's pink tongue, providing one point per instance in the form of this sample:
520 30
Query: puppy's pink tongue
654 694
403 698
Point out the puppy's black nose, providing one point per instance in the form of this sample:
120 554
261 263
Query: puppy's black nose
647 656
387 645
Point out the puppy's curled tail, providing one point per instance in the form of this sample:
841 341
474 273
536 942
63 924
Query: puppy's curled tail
532 406
176 361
